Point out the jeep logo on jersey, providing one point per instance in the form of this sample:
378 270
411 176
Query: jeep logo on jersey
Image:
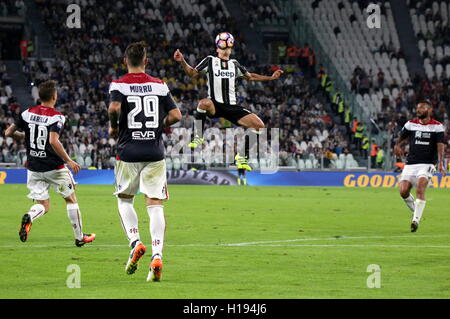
147 135
224 74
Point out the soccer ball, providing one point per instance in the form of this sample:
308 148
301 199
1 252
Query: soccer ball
224 40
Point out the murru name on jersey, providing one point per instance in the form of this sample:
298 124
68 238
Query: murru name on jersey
140 88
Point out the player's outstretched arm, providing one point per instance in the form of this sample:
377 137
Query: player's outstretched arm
441 157
61 152
173 117
113 113
190 71
11 131
258 77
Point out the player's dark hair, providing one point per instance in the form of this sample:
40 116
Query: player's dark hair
47 90
135 53
425 102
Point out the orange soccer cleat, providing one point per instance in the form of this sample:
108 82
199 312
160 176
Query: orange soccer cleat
155 272
136 253
87 238
25 227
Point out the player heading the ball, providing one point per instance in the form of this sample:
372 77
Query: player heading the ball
222 73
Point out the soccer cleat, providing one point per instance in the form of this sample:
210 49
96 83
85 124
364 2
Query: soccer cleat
136 253
414 226
25 227
196 142
155 272
87 238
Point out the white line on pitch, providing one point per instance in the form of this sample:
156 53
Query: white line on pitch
258 243
329 238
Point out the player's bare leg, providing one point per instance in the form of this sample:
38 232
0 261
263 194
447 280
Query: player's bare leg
252 121
420 202
36 211
205 107
74 215
129 221
155 211
405 193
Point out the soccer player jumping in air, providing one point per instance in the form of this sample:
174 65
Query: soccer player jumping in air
141 106
426 150
222 73
47 162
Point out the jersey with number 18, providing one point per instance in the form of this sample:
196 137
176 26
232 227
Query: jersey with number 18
145 102
37 123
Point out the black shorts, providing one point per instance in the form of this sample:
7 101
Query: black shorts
232 113
241 171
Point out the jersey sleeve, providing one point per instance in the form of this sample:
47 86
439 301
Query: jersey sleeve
405 132
58 126
115 96
168 103
440 135
20 123
241 70
114 93
202 67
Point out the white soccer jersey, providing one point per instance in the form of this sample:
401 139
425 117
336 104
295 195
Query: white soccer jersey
222 76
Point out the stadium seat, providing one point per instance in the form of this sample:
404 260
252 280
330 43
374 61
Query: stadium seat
169 164
301 164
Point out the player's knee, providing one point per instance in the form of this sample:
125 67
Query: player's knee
46 204
153 201
125 196
404 193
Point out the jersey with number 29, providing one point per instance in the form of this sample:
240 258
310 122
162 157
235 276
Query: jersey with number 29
145 102
37 123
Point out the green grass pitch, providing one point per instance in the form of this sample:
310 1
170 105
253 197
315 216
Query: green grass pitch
235 242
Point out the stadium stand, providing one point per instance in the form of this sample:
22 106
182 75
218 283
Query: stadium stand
86 62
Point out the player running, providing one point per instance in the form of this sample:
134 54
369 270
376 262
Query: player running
141 106
426 149
222 73
47 162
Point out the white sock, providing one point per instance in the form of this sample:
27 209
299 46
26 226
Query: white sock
128 218
410 202
157 228
73 212
420 205
36 211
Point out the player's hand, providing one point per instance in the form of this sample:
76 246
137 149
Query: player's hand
399 151
74 166
178 56
277 74
113 132
442 170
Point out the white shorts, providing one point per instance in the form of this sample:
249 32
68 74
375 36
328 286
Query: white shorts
148 177
412 173
60 179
